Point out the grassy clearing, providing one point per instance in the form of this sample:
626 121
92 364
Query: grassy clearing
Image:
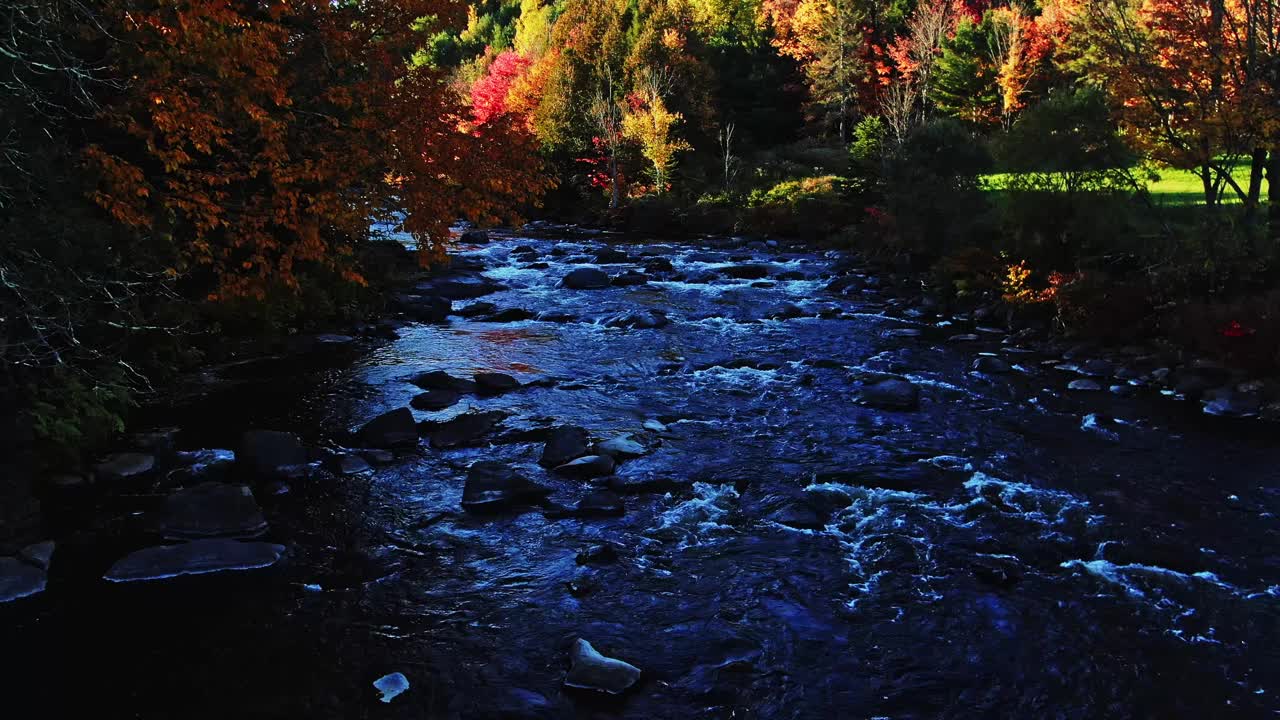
1169 187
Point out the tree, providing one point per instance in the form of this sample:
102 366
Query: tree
965 85
827 38
651 125
1188 80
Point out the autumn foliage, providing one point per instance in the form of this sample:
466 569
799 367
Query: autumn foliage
263 136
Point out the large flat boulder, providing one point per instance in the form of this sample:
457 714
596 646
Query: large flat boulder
193 558
585 279
212 509
19 579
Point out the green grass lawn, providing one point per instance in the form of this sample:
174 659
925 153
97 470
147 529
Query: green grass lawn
1172 188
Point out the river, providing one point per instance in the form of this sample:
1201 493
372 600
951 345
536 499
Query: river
1007 549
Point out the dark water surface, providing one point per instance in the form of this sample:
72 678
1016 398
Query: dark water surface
1000 552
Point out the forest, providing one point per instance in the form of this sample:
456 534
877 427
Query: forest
179 170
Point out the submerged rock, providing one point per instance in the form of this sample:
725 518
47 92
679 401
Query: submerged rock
494 486
593 671
429 309
441 380
588 466
476 309
464 429
125 466
891 394
1084 385
437 399
798 515
631 278
1229 402
271 452
490 383
991 365
601 503
753 271
351 464
391 429
212 509
638 319
621 447
509 315
193 558
586 279
564 443
19 579
473 237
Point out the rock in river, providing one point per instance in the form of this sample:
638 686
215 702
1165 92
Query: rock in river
437 399
891 394
621 447
441 380
194 558
126 466
271 452
588 466
19 579
463 430
392 429
494 486
638 319
746 272
564 444
586 279
991 365
490 383
212 509
601 503
1084 385
593 671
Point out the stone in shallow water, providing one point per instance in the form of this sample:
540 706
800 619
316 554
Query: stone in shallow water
463 430
19 579
441 380
125 466
588 466
601 503
586 279
270 452
992 365
391 685
212 509
1228 402
621 447
392 429
493 486
39 554
638 320
1084 385
492 383
564 443
798 515
193 558
351 464
891 394
437 399
593 671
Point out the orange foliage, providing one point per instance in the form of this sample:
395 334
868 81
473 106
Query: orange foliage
259 136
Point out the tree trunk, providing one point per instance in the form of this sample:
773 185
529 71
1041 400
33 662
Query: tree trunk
1256 165
613 180
1273 193
1210 190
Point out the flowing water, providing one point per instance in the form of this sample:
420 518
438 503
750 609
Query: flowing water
1007 550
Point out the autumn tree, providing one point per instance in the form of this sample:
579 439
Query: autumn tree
652 126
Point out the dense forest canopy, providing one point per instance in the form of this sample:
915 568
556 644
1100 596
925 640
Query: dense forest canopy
179 168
